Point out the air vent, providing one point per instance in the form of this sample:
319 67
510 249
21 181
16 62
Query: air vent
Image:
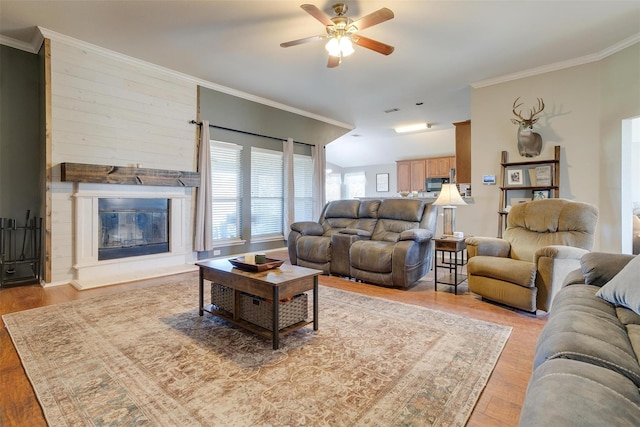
393 110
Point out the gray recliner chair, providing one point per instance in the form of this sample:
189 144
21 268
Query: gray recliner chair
543 242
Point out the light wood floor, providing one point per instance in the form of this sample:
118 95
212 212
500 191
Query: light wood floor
499 404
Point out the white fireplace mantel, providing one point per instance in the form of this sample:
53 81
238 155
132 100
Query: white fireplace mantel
89 272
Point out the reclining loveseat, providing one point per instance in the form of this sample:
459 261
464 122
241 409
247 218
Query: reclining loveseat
385 242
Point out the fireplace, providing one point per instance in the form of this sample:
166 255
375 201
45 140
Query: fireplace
130 227
114 223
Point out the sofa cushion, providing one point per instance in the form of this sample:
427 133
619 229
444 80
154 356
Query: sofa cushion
369 209
627 317
587 330
581 297
402 210
334 225
314 248
389 230
624 288
342 209
521 273
531 226
373 256
565 392
634 336
599 268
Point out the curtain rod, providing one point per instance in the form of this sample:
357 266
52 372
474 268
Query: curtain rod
193 122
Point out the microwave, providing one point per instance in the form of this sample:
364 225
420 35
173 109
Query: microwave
435 184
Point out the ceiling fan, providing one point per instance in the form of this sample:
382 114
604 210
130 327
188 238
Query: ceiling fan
342 32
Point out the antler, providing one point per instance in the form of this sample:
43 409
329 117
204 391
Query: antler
518 115
535 111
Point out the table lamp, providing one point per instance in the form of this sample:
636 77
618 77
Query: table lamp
449 198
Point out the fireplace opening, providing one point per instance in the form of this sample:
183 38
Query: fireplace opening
132 227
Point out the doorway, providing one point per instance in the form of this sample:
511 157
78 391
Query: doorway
630 197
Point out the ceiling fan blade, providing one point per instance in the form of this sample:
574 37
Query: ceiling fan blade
301 41
374 18
333 62
317 13
374 45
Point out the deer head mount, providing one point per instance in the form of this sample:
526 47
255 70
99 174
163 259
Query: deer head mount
529 142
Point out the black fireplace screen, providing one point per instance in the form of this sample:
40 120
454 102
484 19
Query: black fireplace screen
132 227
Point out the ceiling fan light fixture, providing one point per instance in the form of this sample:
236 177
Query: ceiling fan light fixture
346 46
412 128
333 47
342 32
339 46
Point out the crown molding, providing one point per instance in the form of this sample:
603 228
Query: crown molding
30 47
185 77
560 65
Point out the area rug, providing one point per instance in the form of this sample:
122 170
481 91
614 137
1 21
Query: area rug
145 357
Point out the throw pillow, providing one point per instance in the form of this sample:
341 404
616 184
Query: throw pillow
624 288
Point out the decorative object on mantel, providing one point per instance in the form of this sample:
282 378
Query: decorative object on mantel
529 142
106 174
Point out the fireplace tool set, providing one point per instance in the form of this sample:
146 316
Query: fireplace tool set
20 251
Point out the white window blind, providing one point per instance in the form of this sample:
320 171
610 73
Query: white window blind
226 184
355 184
332 187
303 187
267 189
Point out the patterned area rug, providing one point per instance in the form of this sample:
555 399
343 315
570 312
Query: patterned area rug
145 357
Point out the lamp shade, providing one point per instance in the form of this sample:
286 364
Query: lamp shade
333 47
449 196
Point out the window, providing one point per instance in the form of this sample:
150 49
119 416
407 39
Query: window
355 184
303 187
332 187
226 184
267 191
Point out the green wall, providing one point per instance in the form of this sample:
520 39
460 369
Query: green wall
232 112
21 163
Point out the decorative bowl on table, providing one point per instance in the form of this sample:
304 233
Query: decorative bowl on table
247 266
405 193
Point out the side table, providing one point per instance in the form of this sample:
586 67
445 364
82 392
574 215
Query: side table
452 246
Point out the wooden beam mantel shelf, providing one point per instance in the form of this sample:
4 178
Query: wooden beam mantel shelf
105 174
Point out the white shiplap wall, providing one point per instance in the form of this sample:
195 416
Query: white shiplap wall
111 110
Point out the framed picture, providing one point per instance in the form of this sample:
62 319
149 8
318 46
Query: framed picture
540 194
382 182
514 177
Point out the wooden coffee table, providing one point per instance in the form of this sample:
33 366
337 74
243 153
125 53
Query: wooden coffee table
275 284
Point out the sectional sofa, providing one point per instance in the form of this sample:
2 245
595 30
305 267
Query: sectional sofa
385 242
586 370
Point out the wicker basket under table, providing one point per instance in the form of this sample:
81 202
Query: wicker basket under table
260 311
222 297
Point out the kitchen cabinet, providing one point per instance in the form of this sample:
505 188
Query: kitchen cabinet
439 167
463 152
413 173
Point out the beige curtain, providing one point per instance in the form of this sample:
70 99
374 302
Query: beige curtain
319 166
203 234
289 191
